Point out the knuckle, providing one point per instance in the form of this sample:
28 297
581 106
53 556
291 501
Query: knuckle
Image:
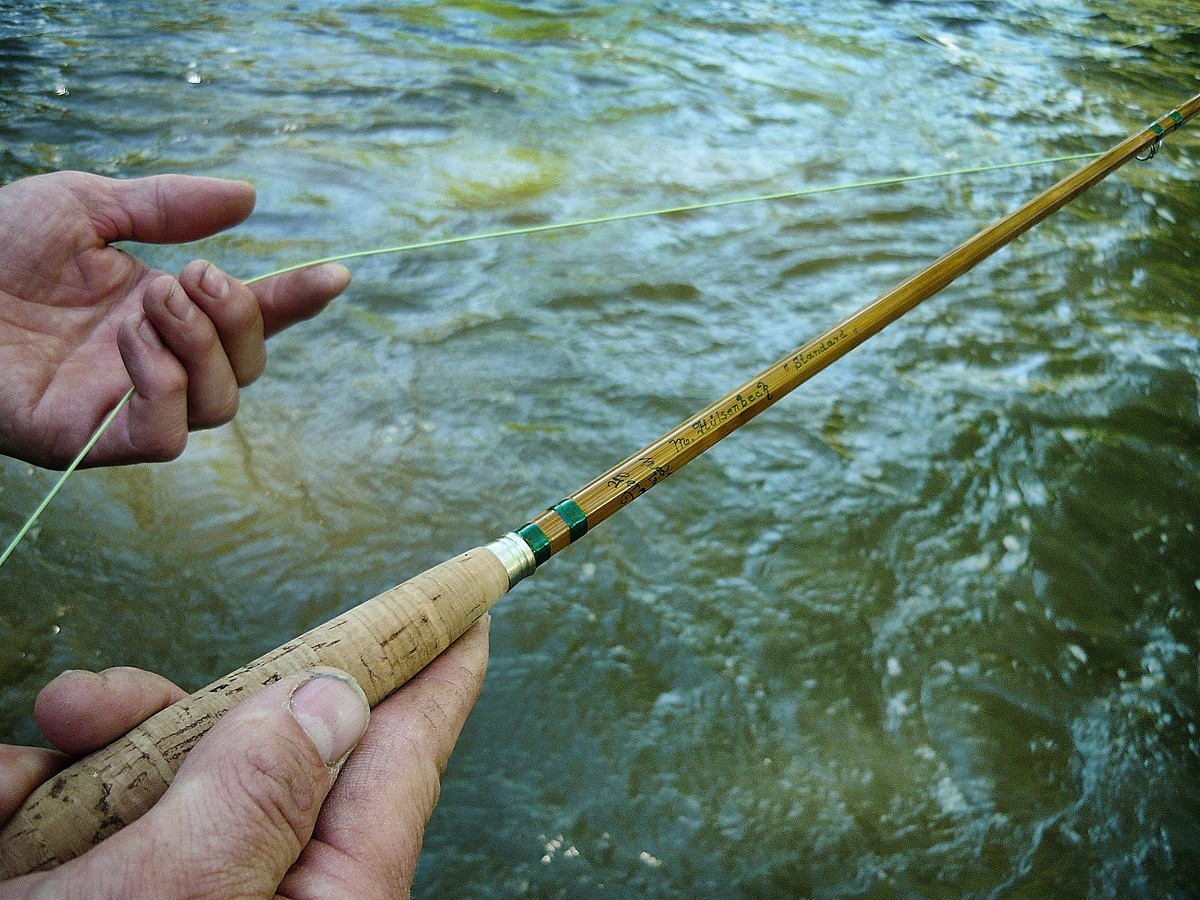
249 372
217 409
201 341
230 304
426 790
193 272
171 381
162 204
228 406
433 784
239 314
163 445
273 789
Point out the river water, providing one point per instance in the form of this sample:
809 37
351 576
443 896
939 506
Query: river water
927 628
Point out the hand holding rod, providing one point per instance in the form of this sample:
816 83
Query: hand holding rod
384 642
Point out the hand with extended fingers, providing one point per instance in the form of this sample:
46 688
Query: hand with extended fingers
81 320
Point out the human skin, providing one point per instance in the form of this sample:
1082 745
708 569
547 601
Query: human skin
81 319
261 808
268 804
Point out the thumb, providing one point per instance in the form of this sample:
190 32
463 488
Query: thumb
164 208
244 803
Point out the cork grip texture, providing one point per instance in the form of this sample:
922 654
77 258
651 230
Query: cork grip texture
382 643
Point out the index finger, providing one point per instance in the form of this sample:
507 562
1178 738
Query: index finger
163 209
294 296
22 769
79 712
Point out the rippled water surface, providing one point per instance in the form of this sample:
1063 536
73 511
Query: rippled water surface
928 628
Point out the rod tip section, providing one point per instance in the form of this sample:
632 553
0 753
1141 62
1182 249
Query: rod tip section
515 555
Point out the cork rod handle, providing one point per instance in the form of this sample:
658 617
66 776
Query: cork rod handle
382 643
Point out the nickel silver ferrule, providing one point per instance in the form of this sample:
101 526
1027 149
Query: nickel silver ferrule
515 555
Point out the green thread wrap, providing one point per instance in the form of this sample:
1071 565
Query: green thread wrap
537 541
571 513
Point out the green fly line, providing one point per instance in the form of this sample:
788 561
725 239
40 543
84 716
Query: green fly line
538 229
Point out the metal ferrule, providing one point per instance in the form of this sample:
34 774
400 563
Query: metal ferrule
515 555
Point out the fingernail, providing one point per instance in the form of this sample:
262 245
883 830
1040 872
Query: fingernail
148 335
214 283
179 304
333 711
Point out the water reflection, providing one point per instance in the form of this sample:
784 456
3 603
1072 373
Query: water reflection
928 628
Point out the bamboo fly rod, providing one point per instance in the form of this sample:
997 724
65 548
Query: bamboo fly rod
385 641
